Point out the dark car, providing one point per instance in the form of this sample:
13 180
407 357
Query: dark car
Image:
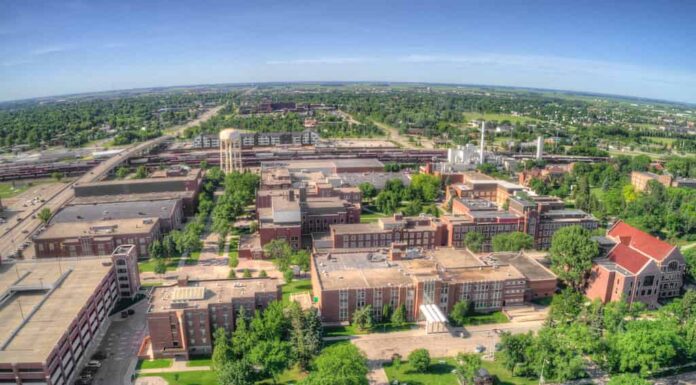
131 311
124 314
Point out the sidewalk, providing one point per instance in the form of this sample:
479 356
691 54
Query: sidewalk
177 366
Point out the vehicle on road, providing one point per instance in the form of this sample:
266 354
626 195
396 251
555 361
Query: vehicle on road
124 314
479 348
131 311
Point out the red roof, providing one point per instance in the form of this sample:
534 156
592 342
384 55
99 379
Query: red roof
628 258
639 240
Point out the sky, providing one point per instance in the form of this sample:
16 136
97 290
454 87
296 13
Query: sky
633 48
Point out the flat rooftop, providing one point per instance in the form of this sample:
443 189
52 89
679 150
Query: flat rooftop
163 209
192 174
99 228
202 293
327 166
36 336
529 267
150 197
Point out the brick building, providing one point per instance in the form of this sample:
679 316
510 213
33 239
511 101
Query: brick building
346 280
639 267
640 179
182 318
75 239
476 185
169 211
427 232
66 306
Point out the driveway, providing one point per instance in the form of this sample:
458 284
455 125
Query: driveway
381 346
121 344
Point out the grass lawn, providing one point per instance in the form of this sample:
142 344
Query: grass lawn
208 377
149 265
199 361
351 330
154 364
496 317
440 373
296 286
150 284
193 258
7 191
366 217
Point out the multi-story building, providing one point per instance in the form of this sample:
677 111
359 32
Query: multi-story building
640 179
206 141
544 215
426 231
476 185
182 318
54 314
265 139
346 280
169 211
488 223
185 186
639 267
75 239
291 217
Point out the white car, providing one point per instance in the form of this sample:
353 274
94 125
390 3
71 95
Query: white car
479 348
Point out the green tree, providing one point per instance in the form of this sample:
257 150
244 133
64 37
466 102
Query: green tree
627 379
263 274
466 368
645 346
160 266
236 372
362 318
368 190
246 273
222 351
460 311
57 176
566 306
243 338
339 364
288 275
514 241
419 360
280 252
141 172
45 215
122 172
398 318
273 356
514 353
572 251
301 258
232 274
155 249
474 241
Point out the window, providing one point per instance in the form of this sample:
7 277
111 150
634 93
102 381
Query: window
648 280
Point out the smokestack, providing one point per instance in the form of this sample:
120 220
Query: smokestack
540 147
483 141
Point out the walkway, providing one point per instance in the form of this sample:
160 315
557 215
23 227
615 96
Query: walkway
177 366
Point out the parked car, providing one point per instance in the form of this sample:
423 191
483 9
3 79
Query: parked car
94 364
131 311
479 348
124 314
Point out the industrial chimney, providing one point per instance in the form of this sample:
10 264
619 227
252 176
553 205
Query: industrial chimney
540 147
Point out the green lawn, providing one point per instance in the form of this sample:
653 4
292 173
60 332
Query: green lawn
366 217
296 286
208 377
193 258
154 364
7 191
496 317
199 361
350 330
440 373
149 265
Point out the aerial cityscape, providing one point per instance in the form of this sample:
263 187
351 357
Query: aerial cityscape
310 213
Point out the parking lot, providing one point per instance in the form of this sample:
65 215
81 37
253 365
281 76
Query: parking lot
120 346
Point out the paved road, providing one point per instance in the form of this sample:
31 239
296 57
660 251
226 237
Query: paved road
21 230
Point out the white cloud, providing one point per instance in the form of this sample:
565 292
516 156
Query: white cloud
50 50
324 60
15 63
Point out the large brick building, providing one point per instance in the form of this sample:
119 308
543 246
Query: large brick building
169 211
426 232
74 239
639 267
640 179
346 280
182 318
65 305
475 185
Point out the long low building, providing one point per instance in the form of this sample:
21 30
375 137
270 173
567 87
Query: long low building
182 318
74 239
169 211
344 280
52 313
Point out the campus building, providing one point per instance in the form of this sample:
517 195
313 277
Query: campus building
426 232
169 211
639 267
182 318
345 280
640 179
475 185
55 312
77 239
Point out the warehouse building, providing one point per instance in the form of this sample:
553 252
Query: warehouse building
169 211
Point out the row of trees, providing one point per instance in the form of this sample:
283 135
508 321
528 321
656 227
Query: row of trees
188 240
424 188
284 257
240 191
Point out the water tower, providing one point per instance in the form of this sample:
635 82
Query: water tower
230 150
